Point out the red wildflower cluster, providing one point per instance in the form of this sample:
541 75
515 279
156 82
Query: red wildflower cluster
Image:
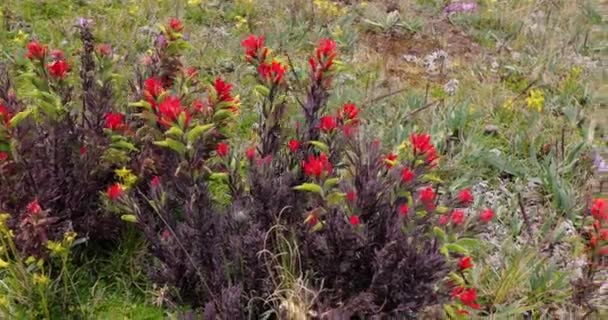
35 50
170 110
58 69
328 124
223 93
317 166
255 52
599 209
114 191
272 72
407 175
427 197
323 59
152 90
404 210
422 146
250 153
33 207
468 297
465 263
5 116
222 149
114 121
390 159
349 112
155 182
354 220
294 145
176 25
3 156
486 215
351 196
465 197
599 233
457 217
104 49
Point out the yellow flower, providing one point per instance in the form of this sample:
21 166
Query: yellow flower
122 172
535 99
337 33
3 264
40 279
133 9
21 37
56 248
508 104
69 237
195 2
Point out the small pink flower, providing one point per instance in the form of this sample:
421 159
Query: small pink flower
443 220
34 207
407 175
403 210
351 196
486 215
222 149
250 153
354 220
457 217
465 197
155 182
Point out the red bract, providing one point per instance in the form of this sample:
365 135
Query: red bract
351 196
327 123
58 69
486 215
407 175
599 209
254 48
465 197
427 195
443 220
3 156
82 150
153 88
5 116
250 153
198 105
35 50
114 120
465 263
354 220
469 297
421 143
603 234
390 159
223 90
316 166
326 50
176 25
155 182
457 217
170 110
57 54
114 191
403 210
222 149
349 112
294 145
273 72
34 207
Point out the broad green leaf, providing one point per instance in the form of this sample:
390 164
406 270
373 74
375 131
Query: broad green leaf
175 132
19 116
470 244
129 218
309 187
439 233
442 209
125 145
335 198
330 183
264 91
222 115
452 247
197 131
320 145
172 144
219 176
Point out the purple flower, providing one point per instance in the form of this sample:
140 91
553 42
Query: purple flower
83 22
161 41
460 6
599 163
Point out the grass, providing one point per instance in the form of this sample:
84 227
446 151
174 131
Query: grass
494 136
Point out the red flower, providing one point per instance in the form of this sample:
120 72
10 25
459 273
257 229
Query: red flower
599 209
165 235
465 263
155 182
57 54
603 251
82 150
603 234
316 166
3 156
222 149
5 116
35 50
170 109
153 88
349 112
404 209
389 159
312 219
457 217
114 120
469 298
407 175
427 195
198 105
294 145
222 89
176 25
326 50
421 143
465 197
58 69
114 191
351 196
486 215
253 45
443 220
354 220
33 207
273 72
250 153
328 123
104 49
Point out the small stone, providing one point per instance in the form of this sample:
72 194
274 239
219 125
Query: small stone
490 129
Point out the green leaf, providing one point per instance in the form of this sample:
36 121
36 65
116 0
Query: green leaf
470 244
175 132
197 131
222 115
432 178
320 145
19 116
329 183
442 209
219 176
452 247
309 187
264 91
335 198
172 144
122 144
439 233
129 218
